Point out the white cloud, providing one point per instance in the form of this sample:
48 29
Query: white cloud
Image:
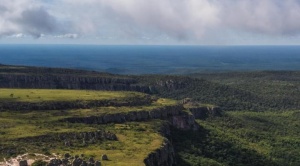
26 16
70 36
130 18
19 35
185 20
271 17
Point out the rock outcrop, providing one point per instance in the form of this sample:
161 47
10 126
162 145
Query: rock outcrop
53 80
61 105
23 163
185 121
164 156
74 162
72 139
205 112
160 113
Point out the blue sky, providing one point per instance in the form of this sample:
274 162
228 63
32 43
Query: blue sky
162 22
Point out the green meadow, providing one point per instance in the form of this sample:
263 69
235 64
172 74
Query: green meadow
22 131
39 95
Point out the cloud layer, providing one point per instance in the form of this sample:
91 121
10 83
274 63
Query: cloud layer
23 16
130 19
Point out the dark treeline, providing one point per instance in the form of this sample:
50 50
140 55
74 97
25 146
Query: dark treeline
255 91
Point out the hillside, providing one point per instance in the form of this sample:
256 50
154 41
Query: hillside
93 130
242 138
256 91
55 108
277 90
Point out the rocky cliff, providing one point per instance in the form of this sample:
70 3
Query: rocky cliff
69 139
60 105
174 115
205 112
164 156
164 113
65 81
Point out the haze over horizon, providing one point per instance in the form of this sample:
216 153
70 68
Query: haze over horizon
166 22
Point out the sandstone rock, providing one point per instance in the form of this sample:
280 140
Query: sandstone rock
104 157
67 155
84 142
91 160
84 163
65 161
206 112
77 162
164 156
55 162
23 163
68 143
92 141
98 163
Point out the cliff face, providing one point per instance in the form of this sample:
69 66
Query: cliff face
159 113
176 117
184 122
78 104
164 156
59 81
205 112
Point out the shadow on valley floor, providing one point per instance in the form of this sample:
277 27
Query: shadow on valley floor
207 149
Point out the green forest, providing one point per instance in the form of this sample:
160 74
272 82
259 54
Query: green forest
242 138
258 124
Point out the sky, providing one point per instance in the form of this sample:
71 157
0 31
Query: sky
150 22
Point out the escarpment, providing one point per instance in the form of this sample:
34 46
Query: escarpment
176 117
78 104
164 156
164 113
205 112
174 114
69 139
65 81
113 126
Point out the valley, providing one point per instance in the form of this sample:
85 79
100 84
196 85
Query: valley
242 118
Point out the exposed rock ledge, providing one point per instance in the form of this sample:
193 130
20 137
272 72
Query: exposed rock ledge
205 112
61 105
164 156
174 114
159 113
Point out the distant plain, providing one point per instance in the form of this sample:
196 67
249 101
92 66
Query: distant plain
154 59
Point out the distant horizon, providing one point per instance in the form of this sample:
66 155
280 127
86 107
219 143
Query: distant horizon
153 59
258 45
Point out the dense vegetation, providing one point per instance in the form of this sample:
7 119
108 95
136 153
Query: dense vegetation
243 92
242 138
260 126
277 90
255 91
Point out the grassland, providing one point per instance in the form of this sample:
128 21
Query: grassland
39 95
19 127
